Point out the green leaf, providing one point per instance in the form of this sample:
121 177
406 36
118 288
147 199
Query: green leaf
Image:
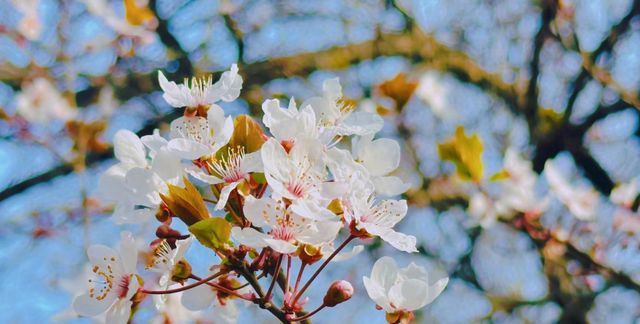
465 152
212 232
259 178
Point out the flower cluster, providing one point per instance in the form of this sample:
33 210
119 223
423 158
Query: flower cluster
301 192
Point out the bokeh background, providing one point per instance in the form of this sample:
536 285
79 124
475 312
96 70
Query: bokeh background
555 79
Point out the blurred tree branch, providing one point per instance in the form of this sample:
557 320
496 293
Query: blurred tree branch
419 47
530 111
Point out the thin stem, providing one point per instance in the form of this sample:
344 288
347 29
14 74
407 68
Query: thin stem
275 277
223 289
286 281
187 287
302 318
302 266
209 200
324 264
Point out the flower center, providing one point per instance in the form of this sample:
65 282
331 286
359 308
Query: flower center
282 232
160 256
199 88
228 167
102 283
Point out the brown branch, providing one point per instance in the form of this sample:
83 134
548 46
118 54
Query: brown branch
605 47
549 9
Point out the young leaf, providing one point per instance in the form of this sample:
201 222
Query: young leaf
465 152
212 232
186 203
247 133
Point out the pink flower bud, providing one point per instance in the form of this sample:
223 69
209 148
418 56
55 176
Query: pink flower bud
339 291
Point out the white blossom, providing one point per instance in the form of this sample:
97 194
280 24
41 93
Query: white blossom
582 202
114 281
195 137
401 289
40 102
202 92
283 227
135 183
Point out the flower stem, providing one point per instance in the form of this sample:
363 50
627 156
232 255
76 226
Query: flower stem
286 282
183 288
322 266
302 318
276 271
223 289
302 266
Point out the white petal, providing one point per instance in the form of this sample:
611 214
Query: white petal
175 95
380 156
361 123
280 246
323 232
215 118
128 148
377 293
88 306
111 185
333 190
332 89
261 212
390 186
145 186
102 255
202 176
402 242
166 164
223 136
154 142
224 194
128 252
409 295
188 149
250 237
252 162
229 86
310 210
198 298
435 290
385 272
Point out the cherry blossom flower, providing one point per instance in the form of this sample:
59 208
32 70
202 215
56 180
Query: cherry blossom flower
299 176
626 193
30 26
114 282
135 183
231 171
289 124
380 157
284 227
397 289
202 92
195 137
518 189
40 102
337 117
582 202
164 260
378 218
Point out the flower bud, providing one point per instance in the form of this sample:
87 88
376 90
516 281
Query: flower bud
181 271
339 291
